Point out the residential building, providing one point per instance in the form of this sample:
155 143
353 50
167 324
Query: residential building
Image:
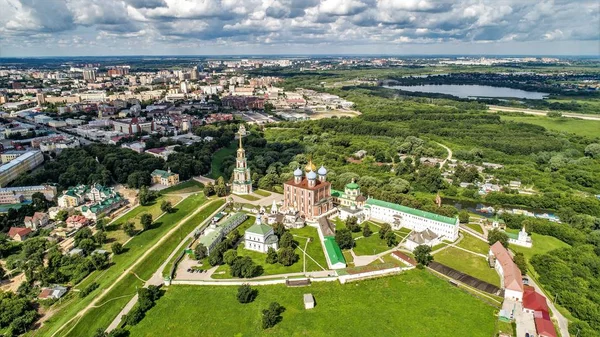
53 292
216 231
89 74
24 163
426 237
92 200
10 155
242 180
260 237
511 279
166 178
19 233
39 219
520 239
77 221
56 146
15 195
310 195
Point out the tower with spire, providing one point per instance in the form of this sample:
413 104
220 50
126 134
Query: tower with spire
242 181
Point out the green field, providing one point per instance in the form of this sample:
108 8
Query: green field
248 197
415 303
468 263
541 244
216 168
134 249
475 227
581 127
469 242
262 193
189 186
370 246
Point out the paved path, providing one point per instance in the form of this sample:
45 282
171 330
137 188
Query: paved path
563 323
496 108
204 180
125 272
263 201
157 278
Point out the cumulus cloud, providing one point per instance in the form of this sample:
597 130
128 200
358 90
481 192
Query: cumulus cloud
335 23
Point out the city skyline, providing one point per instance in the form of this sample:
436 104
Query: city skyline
297 27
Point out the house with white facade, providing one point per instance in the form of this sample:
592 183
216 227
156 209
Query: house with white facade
426 237
511 279
260 237
520 239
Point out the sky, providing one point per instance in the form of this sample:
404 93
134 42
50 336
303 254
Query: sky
244 27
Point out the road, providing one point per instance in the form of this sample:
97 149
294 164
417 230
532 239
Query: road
496 108
563 323
449 157
127 271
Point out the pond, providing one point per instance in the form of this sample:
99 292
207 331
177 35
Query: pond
471 91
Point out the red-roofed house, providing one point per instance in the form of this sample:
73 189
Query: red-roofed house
77 221
511 278
544 325
533 301
19 233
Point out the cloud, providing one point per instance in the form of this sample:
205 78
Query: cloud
333 25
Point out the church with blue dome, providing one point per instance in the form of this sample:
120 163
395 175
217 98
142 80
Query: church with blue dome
308 193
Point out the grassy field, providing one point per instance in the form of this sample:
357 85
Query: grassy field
115 300
581 127
468 263
134 248
541 244
371 245
114 233
216 170
414 303
300 235
248 197
473 244
475 227
262 193
189 186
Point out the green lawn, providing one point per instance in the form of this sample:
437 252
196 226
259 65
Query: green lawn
248 197
541 244
262 193
473 244
300 235
577 126
468 263
189 186
415 303
100 317
475 227
216 170
371 245
134 248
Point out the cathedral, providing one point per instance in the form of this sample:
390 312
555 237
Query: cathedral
242 181
308 193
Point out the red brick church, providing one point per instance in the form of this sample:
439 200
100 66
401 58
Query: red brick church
308 193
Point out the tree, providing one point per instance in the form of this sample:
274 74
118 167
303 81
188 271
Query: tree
116 248
2 273
367 230
286 240
129 228
101 223
244 267
100 237
87 245
200 251
384 229
246 294
287 256
272 257
391 239
230 256
593 150
99 261
84 233
422 255
146 221
272 315
209 189
279 229
497 235
134 316
62 215
521 262
343 237
352 224
463 216
554 114
166 207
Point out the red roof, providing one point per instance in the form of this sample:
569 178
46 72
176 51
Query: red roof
46 292
513 279
544 325
404 257
533 300
18 230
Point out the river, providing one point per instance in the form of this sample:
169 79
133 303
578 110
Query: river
471 91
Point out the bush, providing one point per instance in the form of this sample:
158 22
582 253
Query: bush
87 290
200 251
246 294
287 257
134 316
272 257
343 237
272 315
117 248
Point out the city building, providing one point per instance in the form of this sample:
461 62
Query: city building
426 237
216 231
520 239
133 125
19 233
39 219
24 163
310 195
166 178
242 181
8 156
15 195
511 279
92 200
53 292
260 237
56 146
89 74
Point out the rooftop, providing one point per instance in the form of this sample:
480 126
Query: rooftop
333 251
412 211
513 279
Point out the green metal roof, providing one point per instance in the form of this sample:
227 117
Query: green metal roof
412 211
162 173
514 236
352 186
337 193
333 251
261 229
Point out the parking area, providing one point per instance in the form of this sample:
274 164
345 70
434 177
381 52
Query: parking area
525 321
189 269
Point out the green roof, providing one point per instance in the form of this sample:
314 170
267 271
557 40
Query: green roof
162 173
412 211
337 193
333 251
261 229
352 186
514 236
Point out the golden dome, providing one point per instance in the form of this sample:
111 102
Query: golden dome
310 166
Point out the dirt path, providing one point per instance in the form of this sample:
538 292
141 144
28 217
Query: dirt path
497 108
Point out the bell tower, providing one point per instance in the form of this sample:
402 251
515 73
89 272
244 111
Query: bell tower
242 181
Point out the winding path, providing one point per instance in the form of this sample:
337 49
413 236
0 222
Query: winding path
449 157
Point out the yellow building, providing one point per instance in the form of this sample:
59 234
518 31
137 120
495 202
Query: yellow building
166 178
22 164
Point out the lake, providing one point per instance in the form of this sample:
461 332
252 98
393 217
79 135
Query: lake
471 91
